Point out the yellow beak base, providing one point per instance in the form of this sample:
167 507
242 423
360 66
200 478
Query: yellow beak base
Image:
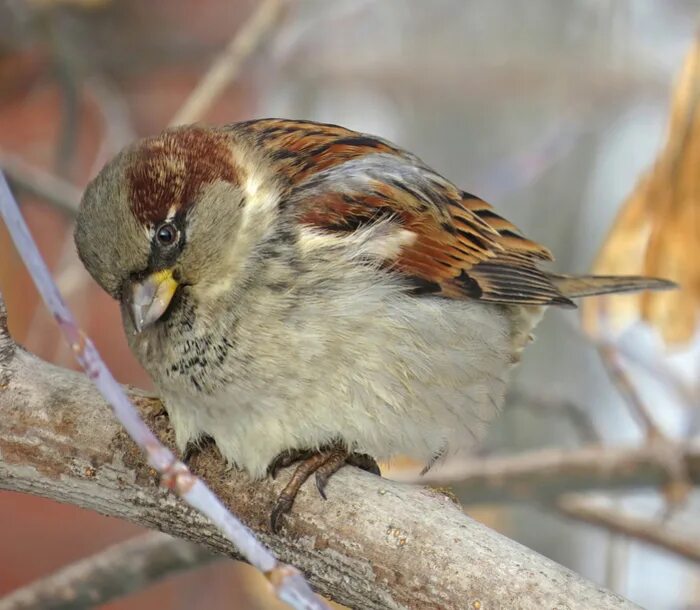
151 297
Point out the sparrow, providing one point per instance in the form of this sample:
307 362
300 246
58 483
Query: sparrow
301 292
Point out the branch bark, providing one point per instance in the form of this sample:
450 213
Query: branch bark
284 579
117 571
373 544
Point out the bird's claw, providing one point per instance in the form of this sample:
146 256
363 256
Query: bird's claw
323 463
286 458
321 482
283 505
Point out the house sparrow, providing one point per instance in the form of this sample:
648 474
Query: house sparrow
300 291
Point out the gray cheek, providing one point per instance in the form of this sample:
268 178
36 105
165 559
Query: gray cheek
113 286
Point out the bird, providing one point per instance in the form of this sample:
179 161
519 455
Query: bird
304 294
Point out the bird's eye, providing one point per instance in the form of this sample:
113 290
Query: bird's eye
166 234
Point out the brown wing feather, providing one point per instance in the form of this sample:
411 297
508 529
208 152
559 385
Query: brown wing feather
340 180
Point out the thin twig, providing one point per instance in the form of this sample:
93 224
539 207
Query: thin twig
117 132
227 66
612 362
678 487
654 366
287 582
638 528
41 183
613 365
110 574
660 370
117 128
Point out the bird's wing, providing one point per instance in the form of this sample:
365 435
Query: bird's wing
340 180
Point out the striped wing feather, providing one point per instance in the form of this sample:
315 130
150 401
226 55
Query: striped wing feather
340 180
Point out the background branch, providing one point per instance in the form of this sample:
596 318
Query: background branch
40 183
546 474
117 571
227 66
647 530
373 544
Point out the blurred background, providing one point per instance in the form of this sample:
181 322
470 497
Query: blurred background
552 111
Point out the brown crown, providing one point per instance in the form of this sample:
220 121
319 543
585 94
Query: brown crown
171 169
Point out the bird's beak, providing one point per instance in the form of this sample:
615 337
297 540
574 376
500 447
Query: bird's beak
149 298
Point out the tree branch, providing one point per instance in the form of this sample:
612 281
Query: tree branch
285 580
63 195
651 531
227 66
373 544
548 473
117 571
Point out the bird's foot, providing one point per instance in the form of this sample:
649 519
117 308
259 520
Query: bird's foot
324 462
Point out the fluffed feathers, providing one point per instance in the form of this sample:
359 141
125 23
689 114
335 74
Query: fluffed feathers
321 285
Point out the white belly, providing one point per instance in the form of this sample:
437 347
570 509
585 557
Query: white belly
387 373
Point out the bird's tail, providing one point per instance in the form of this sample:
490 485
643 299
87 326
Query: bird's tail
574 286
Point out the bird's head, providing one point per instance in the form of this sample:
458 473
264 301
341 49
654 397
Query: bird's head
165 215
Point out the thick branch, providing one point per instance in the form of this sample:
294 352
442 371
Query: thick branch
285 580
546 474
117 571
373 544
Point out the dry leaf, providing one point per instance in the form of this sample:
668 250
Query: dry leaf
657 232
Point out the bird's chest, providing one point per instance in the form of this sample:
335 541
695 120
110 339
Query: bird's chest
354 352
388 374
186 354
